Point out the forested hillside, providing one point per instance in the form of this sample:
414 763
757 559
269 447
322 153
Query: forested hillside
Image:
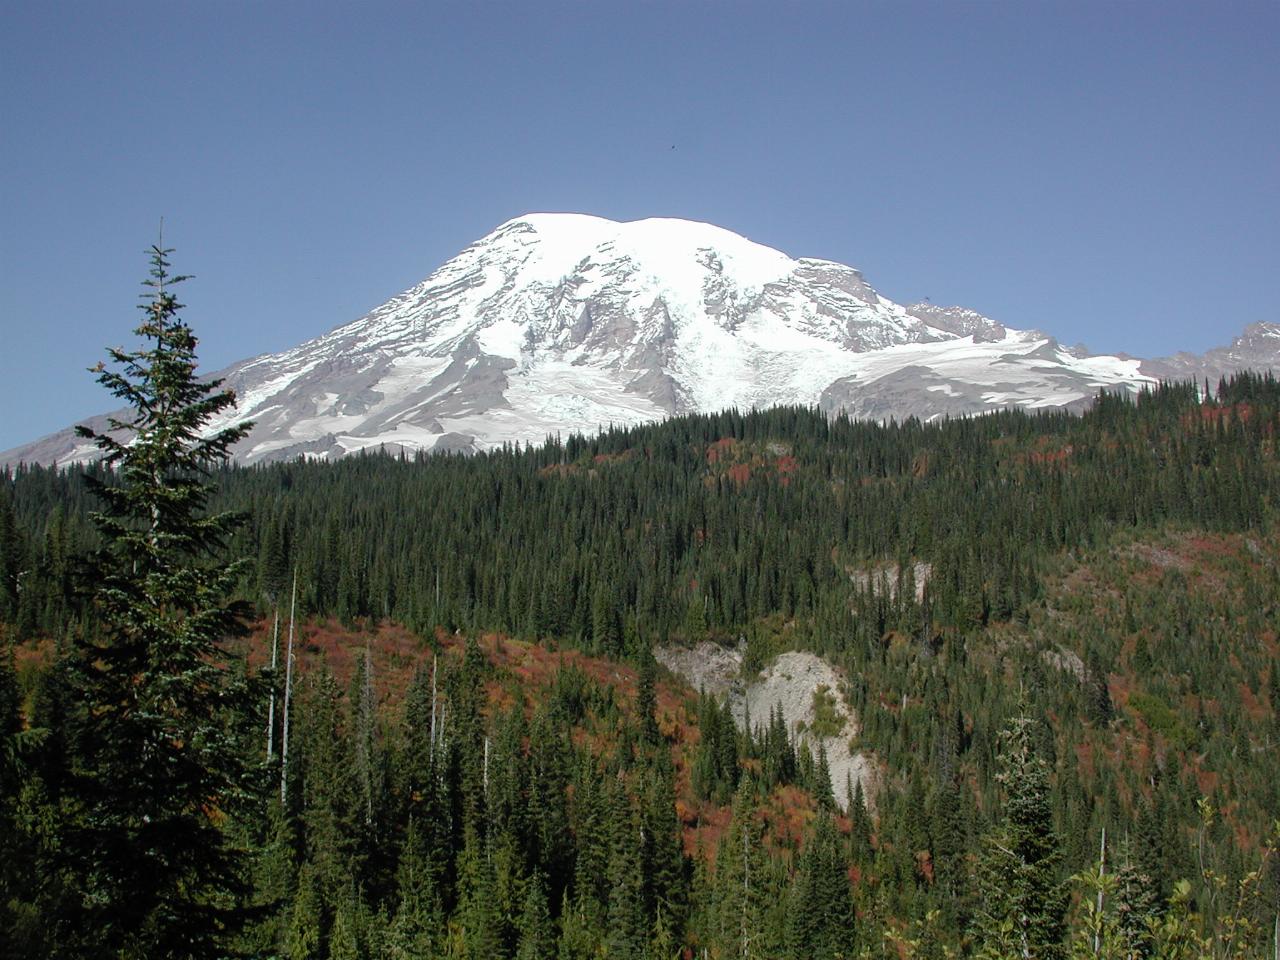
1049 625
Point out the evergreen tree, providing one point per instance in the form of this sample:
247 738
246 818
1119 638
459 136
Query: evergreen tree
24 808
646 698
662 858
1273 694
157 764
344 943
1098 706
418 918
859 826
1137 907
275 877
330 803
1023 901
478 907
580 932
820 912
743 890
11 773
821 786
549 758
10 559
627 929
303 935
537 932
947 844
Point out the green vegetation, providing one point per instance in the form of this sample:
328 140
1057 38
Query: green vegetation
150 715
828 718
485 761
1160 718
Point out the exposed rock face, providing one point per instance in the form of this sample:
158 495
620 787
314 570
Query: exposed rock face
1258 348
959 321
555 323
791 682
708 667
883 580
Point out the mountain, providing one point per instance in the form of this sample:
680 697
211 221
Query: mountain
563 322
1257 348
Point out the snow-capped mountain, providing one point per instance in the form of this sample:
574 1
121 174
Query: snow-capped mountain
563 322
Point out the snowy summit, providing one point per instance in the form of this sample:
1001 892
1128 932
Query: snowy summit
564 322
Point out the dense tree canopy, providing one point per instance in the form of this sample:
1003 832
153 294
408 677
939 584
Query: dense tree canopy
1105 587
153 714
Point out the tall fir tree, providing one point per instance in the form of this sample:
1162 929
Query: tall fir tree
647 698
303 934
820 918
1023 900
157 765
537 931
743 891
627 928
860 851
10 559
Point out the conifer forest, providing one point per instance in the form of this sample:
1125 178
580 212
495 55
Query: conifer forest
395 707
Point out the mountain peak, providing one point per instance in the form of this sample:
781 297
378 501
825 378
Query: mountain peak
562 322
663 247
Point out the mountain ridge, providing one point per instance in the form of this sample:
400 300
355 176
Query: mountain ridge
557 323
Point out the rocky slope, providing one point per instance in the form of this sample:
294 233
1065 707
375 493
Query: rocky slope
1257 348
795 683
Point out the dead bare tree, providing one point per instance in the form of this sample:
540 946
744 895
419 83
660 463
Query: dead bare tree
288 691
271 702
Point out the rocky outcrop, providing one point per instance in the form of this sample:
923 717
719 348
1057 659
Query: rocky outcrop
804 687
1257 348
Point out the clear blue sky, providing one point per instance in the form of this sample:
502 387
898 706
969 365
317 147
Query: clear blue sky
1109 172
